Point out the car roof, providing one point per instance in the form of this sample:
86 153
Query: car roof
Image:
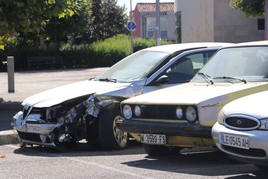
253 43
186 46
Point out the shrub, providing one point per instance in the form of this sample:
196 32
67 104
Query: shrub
97 54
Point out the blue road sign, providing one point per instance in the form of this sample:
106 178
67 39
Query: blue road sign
131 26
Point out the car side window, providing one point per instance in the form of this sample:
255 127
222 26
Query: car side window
185 68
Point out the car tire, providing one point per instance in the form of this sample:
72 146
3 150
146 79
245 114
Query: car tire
109 136
156 150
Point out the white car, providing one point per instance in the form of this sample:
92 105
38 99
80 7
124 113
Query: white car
88 109
242 129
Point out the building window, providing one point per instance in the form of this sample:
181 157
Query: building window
150 27
261 24
163 34
150 34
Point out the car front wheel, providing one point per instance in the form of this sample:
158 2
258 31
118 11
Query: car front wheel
109 136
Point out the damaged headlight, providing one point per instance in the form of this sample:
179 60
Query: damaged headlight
127 111
53 113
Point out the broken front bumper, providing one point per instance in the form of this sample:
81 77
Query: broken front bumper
29 133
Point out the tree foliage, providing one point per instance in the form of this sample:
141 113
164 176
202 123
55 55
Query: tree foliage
108 19
249 7
96 20
21 16
75 28
34 23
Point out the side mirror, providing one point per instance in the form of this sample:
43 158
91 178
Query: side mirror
162 80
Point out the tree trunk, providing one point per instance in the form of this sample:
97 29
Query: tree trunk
266 20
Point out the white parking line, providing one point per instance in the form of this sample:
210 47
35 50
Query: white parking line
107 168
91 164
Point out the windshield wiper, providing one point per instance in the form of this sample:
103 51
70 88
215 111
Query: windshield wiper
206 77
108 79
231 78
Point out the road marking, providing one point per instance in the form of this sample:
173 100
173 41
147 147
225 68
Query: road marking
106 167
89 163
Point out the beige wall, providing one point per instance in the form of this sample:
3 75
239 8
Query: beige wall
196 20
215 20
171 26
231 25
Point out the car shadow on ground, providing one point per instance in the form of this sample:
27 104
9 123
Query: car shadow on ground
81 149
205 164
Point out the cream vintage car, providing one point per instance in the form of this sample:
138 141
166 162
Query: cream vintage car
182 116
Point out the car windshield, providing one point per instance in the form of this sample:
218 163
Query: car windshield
134 67
240 64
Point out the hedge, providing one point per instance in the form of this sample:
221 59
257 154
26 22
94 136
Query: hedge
98 54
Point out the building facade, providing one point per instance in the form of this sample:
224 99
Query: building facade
144 16
215 20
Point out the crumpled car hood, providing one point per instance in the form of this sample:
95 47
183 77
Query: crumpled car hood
60 94
253 105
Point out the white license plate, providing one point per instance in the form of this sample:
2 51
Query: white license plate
235 141
153 139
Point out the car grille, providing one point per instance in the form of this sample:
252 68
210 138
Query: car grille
242 123
158 112
167 112
29 136
246 152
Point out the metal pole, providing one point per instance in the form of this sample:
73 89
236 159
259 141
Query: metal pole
266 20
131 33
157 28
10 74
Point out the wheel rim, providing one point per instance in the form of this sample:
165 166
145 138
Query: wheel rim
120 137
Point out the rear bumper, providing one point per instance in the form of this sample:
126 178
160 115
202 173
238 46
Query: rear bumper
171 129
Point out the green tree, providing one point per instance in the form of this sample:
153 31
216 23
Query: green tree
31 15
74 29
108 19
250 7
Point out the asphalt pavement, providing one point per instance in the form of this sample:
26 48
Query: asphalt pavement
38 162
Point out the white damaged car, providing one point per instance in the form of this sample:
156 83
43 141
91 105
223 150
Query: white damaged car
242 129
88 109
